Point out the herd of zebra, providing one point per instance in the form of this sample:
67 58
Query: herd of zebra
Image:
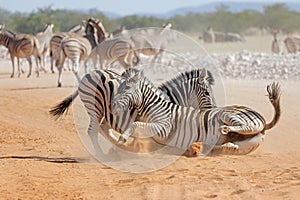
291 43
181 113
84 42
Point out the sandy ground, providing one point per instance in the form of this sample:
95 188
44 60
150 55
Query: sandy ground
42 159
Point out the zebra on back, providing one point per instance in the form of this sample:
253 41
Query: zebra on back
232 129
98 88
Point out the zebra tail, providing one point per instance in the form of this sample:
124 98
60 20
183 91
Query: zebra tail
58 110
274 95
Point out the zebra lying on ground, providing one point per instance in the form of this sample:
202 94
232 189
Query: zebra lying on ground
98 88
232 129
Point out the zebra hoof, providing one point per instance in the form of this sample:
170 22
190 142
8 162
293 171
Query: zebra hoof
59 85
121 140
225 130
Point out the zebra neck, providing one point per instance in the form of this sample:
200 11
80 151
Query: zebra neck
148 85
6 40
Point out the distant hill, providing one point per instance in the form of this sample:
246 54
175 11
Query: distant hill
232 7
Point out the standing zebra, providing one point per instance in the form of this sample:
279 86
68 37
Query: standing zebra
151 44
180 126
292 44
98 88
76 48
44 38
56 40
275 43
21 46
114 49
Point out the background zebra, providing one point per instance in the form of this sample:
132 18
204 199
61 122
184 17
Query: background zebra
98 88
76 48
233 129
114 49
56 40
44 38
21 46
292 44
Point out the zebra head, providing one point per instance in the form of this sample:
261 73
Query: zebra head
128 94
204 91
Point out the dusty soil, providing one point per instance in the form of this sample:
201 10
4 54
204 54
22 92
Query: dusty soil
41 158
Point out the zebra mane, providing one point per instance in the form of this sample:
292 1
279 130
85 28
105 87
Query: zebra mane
128 74
185 76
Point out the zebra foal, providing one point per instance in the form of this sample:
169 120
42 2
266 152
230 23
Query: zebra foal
232 129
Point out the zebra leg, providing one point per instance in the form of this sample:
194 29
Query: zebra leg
37 63
148 130
30 67
75 69
240 129
12 58
60 69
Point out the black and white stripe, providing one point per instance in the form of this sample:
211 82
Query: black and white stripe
115 49
98 88
21 46
180 127
76 48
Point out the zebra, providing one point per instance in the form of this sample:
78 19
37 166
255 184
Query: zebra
115 49
44 38
98 88
21 46
292 44
275 43
56 40
230 129
150 44
76 48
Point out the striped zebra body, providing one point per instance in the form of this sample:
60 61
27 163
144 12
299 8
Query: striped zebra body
44 38
21 46
292 44
56 40
97 89
76 48
115 49
180 126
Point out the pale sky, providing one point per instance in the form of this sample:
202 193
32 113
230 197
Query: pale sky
121 7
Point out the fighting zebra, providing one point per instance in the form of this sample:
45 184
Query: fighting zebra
292 44
98 88
21 46
231 129
76 48
114 49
